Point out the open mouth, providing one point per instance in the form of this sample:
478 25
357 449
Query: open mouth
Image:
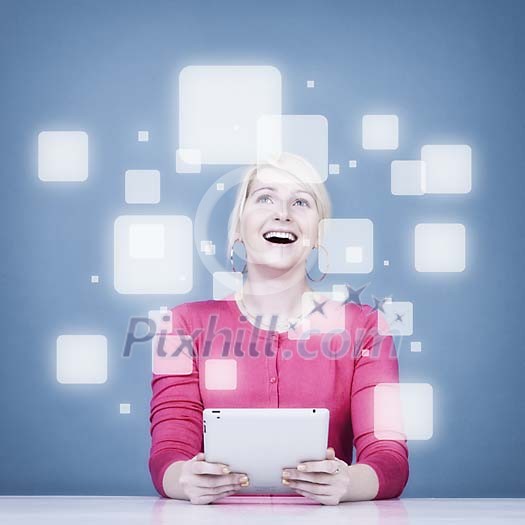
280 237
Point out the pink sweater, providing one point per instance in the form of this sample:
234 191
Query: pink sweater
275 371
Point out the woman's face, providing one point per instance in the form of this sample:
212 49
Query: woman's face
278 203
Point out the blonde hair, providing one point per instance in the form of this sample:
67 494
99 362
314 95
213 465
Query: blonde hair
294 165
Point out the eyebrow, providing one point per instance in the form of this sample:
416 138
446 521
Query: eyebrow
273 189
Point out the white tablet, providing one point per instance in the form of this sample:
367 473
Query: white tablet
262 441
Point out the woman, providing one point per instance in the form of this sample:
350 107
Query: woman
275 361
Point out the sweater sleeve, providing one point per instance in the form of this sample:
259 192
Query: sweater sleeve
175 413
388 457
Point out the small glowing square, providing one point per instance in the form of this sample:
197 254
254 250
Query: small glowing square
333 169
142 186
94 279
310 83
365 352
440 247
407 177
397 318
380 132
403 411
220 374
354 254
125 408
82 359
220 186
63 156
386 262
352 163
448 168
226 283
146 241
415 346
219 107
143 136
149 259
188 161
336 236
172 354
162 320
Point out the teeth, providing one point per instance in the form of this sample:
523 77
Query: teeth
283 235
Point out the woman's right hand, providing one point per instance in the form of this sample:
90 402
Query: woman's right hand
203 482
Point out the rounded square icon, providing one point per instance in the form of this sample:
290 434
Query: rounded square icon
63 156
82 359
172 354
440 247
380 132
219 107
347 245
220 374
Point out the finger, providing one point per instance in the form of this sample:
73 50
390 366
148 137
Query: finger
326 465
309 495
311 477
205 467
330 453
314 488
213 480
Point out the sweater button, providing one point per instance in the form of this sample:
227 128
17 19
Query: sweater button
273 379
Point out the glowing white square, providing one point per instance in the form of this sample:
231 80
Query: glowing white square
146 241
143 136
415 346
407 177
352 163
94 279
220 186
449 168
172 354
162 319
219 107
440 247
354 254
333 169
403 411
336 235
125 408
82 359
380 132
220 374
310 83
63 156
303 135
396 318
153 260
386 262
188 161
226 283
142 186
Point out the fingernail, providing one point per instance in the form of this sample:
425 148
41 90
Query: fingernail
286 474
245 484
226 470
286 482
301 467
243 479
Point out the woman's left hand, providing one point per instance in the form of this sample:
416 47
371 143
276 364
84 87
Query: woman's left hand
325 481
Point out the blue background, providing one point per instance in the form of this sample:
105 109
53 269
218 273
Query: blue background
452 71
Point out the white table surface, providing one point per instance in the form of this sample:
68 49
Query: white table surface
95 510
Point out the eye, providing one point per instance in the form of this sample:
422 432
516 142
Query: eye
265 196
305 202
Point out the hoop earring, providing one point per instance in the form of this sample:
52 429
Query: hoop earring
244 270
324 274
